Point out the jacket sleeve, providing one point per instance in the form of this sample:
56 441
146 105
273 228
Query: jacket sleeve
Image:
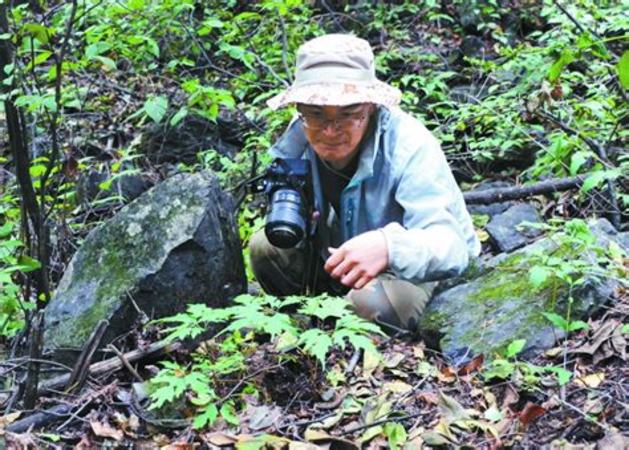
436 237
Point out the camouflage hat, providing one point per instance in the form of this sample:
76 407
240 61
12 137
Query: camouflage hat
336 69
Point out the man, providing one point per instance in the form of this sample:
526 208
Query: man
392 219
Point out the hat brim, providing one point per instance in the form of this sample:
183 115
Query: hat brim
337 94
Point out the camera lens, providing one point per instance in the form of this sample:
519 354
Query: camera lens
285 223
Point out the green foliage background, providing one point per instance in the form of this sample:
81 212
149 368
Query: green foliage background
542 91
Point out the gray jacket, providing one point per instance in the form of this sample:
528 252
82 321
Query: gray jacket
404 187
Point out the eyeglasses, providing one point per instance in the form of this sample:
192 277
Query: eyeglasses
345 120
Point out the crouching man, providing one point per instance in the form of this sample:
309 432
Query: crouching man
392 219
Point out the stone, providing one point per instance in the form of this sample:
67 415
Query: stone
506 231
176 244
492 209
485 315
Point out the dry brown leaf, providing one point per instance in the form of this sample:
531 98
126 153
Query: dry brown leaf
592 381
397 387
511 397
531 412
471 366
102 429
428 397
9 419
320 437
393 360
220 439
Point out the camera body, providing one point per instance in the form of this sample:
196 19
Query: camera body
288 185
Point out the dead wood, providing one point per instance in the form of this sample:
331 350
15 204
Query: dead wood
114 364
40 419
32 375
81 368
519 192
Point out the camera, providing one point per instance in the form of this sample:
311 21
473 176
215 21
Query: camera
288 185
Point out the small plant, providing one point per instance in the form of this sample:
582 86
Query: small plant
506 366
320 325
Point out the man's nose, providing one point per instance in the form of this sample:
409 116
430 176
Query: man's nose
330 127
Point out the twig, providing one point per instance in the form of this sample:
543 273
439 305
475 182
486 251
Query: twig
519 192
381 421
125 362
114 364
81 368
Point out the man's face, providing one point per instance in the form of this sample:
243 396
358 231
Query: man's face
335 132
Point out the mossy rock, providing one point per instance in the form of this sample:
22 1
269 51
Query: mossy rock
176 244
484 315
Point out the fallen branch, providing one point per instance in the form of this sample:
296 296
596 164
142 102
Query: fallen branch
114 364
39 419
519 192
79 373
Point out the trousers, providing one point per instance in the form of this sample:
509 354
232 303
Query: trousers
387 300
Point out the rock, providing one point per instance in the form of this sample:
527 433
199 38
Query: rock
484 315
494 208
504 228
129 186
176 244
472 47
182 143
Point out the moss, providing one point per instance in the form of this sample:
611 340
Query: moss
114 258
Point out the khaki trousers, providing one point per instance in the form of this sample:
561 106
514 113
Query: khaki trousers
387 300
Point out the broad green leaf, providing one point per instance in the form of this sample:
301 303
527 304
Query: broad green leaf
316 343
228 412
594 180
578 325
396 435
577 160
207 417
155 107
28 264
567 56
538 276
623 69
515 347
563 375
6 229
39 32
181 114
556 320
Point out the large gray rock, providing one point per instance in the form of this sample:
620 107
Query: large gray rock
484 315
176 244
506 229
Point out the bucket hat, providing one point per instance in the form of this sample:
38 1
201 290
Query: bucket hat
338 70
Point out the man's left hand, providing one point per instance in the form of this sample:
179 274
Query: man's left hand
359 260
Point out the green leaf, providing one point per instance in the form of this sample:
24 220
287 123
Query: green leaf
578 325
567 56
207 417
538 276
316 343
623 69
563 375
556 320
515 347
625 328
107 62
28 264
5 230
39 32
155 107
396 435
594 180
181 114
228 412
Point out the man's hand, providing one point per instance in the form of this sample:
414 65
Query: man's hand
359 260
